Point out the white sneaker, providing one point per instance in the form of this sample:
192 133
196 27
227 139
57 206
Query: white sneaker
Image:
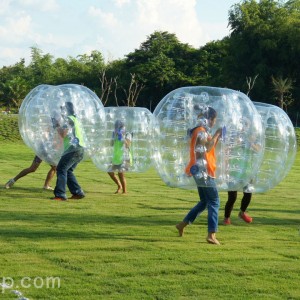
49 188
9 184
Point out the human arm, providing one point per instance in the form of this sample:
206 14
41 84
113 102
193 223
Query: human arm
63 130
128 138
214 140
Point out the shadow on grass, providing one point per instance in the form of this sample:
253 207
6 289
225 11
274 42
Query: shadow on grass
62 234
26 192
76 226
286 211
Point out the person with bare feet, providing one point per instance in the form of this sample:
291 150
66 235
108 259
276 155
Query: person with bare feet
31 169
202 167
122 156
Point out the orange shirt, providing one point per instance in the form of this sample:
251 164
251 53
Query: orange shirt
209 156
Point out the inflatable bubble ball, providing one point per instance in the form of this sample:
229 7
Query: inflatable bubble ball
183 110
280 147
127 143
43 110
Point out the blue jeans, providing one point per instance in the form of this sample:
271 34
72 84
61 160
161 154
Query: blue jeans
65 176
209 198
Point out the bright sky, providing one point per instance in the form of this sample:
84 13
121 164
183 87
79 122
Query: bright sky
65 28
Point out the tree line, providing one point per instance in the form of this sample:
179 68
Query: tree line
259 57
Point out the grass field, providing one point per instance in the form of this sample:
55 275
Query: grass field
110 246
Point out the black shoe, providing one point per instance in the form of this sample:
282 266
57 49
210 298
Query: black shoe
77 196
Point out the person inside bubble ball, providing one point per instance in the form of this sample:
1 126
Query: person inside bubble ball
33 167
252 144
202 167
122 156
73 141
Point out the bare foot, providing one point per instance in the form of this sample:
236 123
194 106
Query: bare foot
118 190
212 240
180 229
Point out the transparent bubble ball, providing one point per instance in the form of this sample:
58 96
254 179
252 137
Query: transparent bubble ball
280 147
177 113
133 124
41 108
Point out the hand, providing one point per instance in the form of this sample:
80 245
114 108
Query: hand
55 123
218 133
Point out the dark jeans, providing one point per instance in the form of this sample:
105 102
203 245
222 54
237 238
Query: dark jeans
232 195
209 198
65 176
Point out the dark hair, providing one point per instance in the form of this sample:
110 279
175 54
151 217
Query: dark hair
211 113
119 124
70 108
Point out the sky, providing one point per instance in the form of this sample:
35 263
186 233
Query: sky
65 28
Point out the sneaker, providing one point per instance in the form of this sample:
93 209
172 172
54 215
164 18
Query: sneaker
58 199
226 221
9 183
49 188
77 196
245 217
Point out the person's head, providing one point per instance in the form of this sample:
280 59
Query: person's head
68 108
119 124
211 117
210 114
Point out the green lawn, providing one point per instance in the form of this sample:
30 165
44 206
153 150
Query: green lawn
110 246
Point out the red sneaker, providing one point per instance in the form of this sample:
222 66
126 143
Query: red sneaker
58 199
226 221
245 217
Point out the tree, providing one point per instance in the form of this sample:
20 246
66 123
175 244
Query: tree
282 88
15 83
161 64
41 67
133 91
258 37
250 83
108 85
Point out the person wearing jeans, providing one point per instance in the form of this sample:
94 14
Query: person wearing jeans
202 166
210 200
72 135
66 177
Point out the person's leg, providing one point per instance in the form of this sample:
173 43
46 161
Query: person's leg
66 162
72 182
213 206
123 182
232 195
49 177
244 204
33 167
116 180
193 213
245 201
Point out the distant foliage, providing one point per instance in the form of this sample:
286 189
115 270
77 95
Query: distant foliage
9 129
264 40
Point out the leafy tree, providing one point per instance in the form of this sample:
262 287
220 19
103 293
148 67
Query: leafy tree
259 43
160 64
14 84
282 88
41 67
207 67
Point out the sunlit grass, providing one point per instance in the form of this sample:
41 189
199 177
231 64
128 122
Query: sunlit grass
126 246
